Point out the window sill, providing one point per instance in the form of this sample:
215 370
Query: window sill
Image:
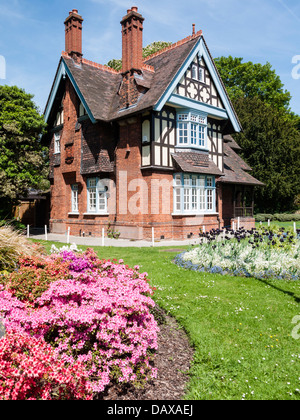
200 81
196 214
188 147
73 213
96 214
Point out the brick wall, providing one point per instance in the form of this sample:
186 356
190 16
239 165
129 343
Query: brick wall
81 145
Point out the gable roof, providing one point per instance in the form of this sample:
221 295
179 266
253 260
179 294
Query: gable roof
100 86
97 86
197 46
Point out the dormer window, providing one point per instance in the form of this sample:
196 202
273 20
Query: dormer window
192 130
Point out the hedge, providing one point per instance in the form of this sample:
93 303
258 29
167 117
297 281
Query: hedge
277 217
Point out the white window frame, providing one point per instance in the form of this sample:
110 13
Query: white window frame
194 194
197 73
192 129
57 143
96 196
74 199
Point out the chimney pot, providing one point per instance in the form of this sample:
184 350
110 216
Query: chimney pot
194 29
134 9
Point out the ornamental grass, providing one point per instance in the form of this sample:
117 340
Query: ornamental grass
13 245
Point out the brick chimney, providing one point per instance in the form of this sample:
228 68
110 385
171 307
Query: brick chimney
73 32
132 41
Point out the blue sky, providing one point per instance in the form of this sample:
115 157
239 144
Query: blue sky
32 34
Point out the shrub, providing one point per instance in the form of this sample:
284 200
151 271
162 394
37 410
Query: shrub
287 217
34 276
14 223
30 370
278 217
263 217
99 316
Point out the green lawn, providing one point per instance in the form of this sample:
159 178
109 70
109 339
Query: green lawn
241 328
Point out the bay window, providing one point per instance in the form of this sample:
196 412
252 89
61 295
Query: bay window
194 194
192 129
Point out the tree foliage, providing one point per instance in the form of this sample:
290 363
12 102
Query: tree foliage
270 144
22 157
147 51
270 139
247 80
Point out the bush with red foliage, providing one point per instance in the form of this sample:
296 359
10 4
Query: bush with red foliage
30 370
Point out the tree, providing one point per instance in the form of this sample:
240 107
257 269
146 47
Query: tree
147 51
270 144
270 139
22 156
247 80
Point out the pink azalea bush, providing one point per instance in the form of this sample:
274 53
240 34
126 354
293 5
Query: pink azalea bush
30 370
99 316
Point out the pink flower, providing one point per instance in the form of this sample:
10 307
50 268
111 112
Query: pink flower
98 315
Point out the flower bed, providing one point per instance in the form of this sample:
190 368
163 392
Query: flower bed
93 312
258 253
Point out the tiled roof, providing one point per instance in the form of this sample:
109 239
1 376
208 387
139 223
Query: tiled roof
100 85
232 143
196 162
235 167
103 164
97 85
166 66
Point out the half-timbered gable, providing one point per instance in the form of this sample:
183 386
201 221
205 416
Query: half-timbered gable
145 147
198 85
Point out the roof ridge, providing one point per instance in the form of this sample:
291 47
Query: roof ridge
93 64
175 45
104 67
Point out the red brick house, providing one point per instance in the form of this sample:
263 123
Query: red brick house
146 147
